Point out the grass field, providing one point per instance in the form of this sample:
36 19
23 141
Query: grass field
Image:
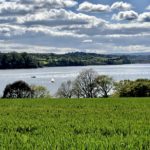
90 124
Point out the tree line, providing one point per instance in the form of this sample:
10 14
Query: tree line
88 84
24 60
18 60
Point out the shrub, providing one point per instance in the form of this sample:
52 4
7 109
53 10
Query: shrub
18 89
40 92
138 88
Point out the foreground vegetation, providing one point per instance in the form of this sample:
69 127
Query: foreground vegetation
75 124
88 84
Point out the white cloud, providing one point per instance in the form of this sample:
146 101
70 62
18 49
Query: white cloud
131 49
15 30
60 17
51 3
144 17
125 15
43 24
53 32
121 6
132 15
130 28
27 6
9 8
112 28
127 35
87 41
89 7
11 30
8 46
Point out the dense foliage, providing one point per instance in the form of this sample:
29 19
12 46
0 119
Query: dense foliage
138 88
17 61
24 60
91 124
40 92
83 59
18 89
21 89
88 84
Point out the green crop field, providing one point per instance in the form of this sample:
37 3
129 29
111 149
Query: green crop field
77 124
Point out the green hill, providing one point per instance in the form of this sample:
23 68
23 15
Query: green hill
27 60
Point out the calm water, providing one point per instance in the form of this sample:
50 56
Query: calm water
60 74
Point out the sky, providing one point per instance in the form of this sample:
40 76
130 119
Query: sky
62 26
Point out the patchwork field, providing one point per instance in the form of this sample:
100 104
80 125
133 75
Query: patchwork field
77 124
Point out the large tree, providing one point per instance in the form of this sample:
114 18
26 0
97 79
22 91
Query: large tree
18 89
84 84
65 90
104 85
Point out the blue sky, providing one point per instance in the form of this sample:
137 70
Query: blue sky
61 26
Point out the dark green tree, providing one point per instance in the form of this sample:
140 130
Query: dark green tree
138 88
18 89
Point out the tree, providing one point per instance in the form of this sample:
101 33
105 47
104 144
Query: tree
76 90
65 90
138 88
18 60
40 92
122 88
84 85
18 89
104 85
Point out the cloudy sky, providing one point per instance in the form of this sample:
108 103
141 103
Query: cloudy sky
61 26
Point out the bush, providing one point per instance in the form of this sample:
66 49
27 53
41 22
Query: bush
138 88
40 92
18 89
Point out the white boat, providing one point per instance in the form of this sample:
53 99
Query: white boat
52 80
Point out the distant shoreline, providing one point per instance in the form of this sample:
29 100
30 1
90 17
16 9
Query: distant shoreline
73 66
30 61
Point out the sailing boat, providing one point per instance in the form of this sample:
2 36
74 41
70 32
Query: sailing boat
52 80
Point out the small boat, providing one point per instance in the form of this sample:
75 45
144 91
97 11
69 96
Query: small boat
52 80
33 77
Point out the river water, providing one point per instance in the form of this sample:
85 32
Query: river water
60 74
